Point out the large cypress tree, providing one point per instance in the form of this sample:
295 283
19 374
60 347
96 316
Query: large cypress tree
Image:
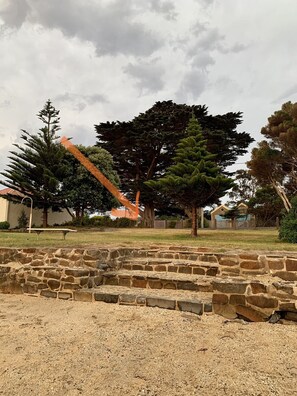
194 180
144 147
36 169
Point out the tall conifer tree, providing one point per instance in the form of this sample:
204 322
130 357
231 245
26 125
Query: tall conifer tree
37 168
193 180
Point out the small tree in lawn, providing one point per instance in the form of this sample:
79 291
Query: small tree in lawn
37 169
193 180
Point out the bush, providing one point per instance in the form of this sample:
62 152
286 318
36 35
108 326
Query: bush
288 227
103 221
4 225
22 220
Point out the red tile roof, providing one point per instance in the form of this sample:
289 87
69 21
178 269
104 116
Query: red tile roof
11 191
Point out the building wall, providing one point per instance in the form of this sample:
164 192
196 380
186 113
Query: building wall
10 212
3 209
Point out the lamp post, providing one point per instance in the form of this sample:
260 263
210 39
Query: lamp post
31 211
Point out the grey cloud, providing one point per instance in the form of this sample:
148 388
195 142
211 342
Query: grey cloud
80 102
109 27
285 96
202 60
15 12
192 86
167 8
210 39
82 135
148 75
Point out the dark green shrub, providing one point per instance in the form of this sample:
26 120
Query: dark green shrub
288 226
22 220
4 225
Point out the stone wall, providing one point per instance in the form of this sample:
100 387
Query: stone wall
254 299
245 284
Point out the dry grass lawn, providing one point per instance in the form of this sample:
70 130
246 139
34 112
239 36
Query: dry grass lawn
216 240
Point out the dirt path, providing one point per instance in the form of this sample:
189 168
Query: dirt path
55 347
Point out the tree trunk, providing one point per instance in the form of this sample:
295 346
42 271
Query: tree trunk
148 216
45 217
194 222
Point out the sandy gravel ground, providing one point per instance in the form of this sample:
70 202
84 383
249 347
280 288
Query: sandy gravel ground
51 347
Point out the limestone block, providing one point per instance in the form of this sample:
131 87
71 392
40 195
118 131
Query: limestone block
184 269
234 287
48 293
71 286
127 299
159 268
248 256
141 300
225 310
208 258
124 280
187 285
165 303
53 274
275 264
213 271
286 275
220 299
262 301
31 278
83 296
250 314
139 281
291 264
168 285
198 271
76 272
106 297
154 283
172 268
229 261
237 299
190 306
53 284
258 287
64 296
251 265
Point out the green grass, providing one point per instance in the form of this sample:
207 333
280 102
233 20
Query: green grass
215 240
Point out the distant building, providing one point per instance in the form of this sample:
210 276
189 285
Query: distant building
10 211
218 221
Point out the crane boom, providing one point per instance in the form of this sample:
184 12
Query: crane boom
133 209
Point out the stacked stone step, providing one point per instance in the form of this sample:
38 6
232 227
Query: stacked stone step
183 284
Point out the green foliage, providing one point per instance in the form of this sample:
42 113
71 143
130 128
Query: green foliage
37 168
144 147
83 191
193 180
102 221
4 225
22 220
266 206
288 227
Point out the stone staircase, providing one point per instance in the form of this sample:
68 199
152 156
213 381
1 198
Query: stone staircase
245 284
180 284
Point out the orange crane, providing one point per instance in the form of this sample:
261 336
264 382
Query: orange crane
133 209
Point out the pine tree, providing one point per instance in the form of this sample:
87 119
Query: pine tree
193 180
37 168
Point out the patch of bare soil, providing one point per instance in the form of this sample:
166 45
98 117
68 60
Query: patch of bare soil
55 347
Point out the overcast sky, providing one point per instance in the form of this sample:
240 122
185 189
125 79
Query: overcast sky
105 60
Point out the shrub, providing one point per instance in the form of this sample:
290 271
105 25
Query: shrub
22 220
288 227
4 225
